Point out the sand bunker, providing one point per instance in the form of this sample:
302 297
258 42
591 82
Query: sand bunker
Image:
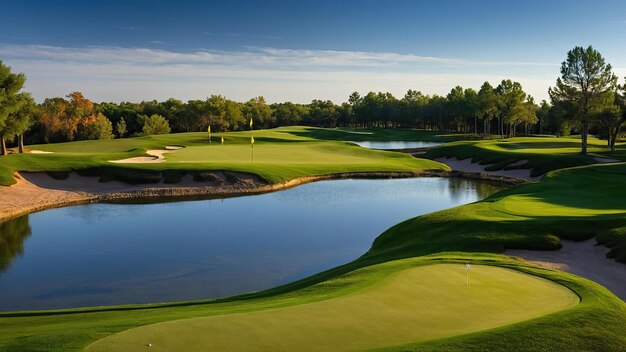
603 160
466 165
39 152
584 259
156 156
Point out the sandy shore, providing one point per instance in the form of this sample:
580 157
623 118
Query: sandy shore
584 259
466 165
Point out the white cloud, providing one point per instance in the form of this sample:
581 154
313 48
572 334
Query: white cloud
133 74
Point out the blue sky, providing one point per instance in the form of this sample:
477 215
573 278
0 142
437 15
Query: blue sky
298 50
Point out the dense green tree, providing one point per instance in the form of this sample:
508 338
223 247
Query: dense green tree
290 114
154 124
585 81
487 102
543 113
323 113
120 128
258 110
10 101
471 107
414 102
95 127
511 109
18 122
612 118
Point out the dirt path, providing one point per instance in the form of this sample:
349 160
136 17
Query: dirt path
466 165
584 259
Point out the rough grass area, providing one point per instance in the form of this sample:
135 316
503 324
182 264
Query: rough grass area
543 154
279 155
73 330
576 204
415 304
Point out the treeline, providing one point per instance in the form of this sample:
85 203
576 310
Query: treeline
505 110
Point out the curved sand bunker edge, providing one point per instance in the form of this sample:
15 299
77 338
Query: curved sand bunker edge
156 156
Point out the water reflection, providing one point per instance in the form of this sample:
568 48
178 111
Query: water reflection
101 254
13 233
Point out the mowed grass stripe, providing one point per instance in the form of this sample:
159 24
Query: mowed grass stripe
416 304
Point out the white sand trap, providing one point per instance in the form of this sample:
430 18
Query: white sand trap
466 165
584 259
39 152
603 160
156 156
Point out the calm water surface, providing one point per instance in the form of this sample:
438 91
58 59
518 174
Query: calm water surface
103 254
396 144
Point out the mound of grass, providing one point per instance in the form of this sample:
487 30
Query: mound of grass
73 330
544 154
279 155
413 304
576 204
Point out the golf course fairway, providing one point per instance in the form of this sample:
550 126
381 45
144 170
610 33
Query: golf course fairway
411 305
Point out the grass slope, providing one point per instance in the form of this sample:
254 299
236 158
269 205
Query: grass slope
577 203
415 304
542 153
72 330
279 155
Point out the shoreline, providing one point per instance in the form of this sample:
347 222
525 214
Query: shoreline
34 192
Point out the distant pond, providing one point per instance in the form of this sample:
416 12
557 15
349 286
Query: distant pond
105 254
397 144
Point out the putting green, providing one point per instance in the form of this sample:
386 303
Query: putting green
416 304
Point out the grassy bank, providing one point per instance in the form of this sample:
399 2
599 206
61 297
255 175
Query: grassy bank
543 154
279 155
74 329
577 204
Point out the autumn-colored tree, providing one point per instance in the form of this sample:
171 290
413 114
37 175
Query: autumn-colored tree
50 117
79 112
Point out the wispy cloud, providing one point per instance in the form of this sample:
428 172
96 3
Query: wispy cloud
254 56
117 73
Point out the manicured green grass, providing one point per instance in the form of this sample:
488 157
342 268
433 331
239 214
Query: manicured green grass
577 203
74 329
543 154
416 304
279 155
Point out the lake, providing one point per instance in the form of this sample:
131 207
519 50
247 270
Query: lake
397 144
104 254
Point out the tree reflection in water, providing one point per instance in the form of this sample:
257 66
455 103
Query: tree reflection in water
13 233
458 188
